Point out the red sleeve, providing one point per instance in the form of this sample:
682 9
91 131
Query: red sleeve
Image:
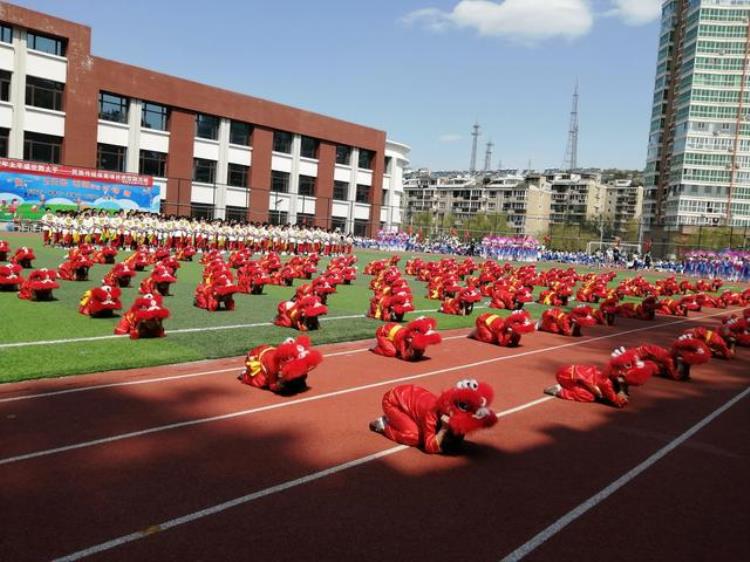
428 425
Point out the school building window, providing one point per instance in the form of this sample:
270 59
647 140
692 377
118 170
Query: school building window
307 185
110 157
113 107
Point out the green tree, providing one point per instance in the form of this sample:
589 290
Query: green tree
482 224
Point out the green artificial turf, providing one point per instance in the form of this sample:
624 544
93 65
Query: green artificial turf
25 321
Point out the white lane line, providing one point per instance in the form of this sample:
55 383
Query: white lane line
192 330
218 508
538 540
166 379
231 415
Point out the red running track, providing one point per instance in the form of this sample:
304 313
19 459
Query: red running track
113 461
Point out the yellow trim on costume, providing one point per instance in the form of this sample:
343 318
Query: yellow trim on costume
393 331
254 364
490 319
85 298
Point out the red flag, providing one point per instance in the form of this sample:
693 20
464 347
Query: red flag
410 230
466 234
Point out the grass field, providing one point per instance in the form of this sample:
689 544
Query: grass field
25 321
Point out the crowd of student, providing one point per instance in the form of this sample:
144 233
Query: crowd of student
132 230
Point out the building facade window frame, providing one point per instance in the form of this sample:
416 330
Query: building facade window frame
113 107
47 94
280 181
306 185
282 142
204 170
232 213
152 163
155 116
363 193
365 159
5 78
4 136
309 147
344 154
202 211
240 133
6 33
237 175
277 217
207 126
340 190
111 157
45 43
38 147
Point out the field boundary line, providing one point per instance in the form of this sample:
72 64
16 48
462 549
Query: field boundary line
538 540
242 413
218 508
167 378
191 330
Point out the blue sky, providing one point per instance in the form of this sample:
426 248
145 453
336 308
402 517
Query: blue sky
423 70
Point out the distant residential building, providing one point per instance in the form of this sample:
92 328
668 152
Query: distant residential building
576 197
623 203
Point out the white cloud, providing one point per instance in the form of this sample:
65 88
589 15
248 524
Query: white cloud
636 12
519 20
450 137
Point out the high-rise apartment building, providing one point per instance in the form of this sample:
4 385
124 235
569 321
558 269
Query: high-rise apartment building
698 163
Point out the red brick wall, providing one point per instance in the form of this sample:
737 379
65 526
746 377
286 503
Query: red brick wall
260 174
324 186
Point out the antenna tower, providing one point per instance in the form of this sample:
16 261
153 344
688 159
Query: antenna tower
571 151
475 134
488 156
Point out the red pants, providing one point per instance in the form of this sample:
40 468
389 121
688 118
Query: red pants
572 390
400 428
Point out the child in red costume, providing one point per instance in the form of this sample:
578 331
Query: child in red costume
39 285
463 303
144 318
4 250
9 277
406 342
100 302
302 313
587 383
570 323
416 417
506 332
23 257
718 346
281 369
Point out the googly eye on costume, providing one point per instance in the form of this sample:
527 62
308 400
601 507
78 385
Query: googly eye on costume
471 384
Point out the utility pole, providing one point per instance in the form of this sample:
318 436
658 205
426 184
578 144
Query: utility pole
475 134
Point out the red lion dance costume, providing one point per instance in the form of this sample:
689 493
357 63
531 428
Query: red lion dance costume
75 268
23 257
506 332
159 281
4 250
100 302
718 345
406 342
39 285
281 369
587 383
302 314
416 417
570 323
9 277
120 275
216 293
144 319
463 303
